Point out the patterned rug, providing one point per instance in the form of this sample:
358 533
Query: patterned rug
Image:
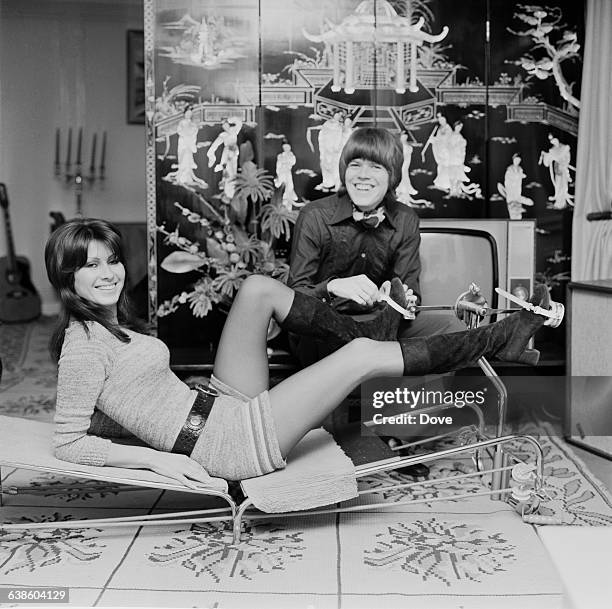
451 554
27 388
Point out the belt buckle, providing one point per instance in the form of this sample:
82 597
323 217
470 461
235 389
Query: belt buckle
195 421
207 389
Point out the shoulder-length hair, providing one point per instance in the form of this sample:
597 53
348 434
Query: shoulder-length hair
66 253
378 146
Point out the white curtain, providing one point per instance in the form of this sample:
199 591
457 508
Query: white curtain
592 240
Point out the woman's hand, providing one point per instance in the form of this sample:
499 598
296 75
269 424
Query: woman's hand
181 468
359 288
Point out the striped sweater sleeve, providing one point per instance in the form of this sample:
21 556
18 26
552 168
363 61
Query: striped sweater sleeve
82 371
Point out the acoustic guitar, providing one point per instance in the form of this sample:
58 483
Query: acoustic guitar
19 300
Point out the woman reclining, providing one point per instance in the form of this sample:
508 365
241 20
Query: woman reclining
110 375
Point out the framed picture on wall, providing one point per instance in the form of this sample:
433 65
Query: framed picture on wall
135 77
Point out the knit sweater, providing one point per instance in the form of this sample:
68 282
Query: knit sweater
131 383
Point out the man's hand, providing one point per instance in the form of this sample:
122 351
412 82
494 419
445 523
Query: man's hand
359 289
411 301
384 295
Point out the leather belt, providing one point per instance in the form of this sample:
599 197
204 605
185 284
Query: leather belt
196 419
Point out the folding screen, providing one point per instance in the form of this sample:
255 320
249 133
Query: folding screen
249 104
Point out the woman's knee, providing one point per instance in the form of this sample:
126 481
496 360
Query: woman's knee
257 286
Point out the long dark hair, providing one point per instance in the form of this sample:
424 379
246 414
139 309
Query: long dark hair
66 253
378 146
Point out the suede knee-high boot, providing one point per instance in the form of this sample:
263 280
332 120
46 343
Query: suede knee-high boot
506 339
309 316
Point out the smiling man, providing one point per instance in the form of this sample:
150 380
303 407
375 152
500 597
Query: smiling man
346 245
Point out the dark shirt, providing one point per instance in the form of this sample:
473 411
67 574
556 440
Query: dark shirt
328 243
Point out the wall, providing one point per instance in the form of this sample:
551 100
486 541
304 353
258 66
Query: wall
63 63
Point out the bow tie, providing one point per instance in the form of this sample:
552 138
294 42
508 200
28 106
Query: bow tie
370 219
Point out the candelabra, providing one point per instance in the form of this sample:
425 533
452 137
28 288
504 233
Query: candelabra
73 175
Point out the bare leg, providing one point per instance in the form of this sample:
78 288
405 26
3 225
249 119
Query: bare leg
301 402
242 360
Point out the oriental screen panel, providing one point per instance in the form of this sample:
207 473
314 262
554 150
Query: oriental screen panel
249 103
